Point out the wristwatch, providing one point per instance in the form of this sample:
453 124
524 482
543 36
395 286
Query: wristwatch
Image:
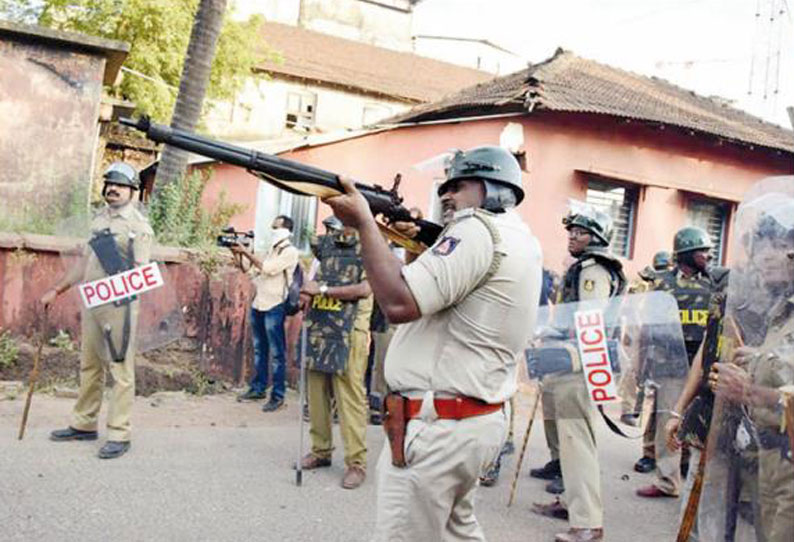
323 288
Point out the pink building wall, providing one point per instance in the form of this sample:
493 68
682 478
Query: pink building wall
670 166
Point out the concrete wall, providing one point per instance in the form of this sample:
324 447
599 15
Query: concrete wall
260 108
49 104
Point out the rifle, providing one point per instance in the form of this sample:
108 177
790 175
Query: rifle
294 177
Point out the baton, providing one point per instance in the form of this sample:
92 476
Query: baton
524 446
301 402
34 374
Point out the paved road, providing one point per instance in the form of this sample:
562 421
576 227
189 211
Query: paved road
211 469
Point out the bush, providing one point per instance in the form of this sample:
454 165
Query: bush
9 350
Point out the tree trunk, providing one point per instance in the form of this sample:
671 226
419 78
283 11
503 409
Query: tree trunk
193 86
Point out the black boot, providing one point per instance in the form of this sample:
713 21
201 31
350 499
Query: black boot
549 471
70 433
113 449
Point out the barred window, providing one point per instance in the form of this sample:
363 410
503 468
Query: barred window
301 107
711 215
619 201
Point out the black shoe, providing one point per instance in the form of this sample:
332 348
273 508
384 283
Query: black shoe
645 465
549 471
252 395
555 487
70 433
273 405
113 449
375 418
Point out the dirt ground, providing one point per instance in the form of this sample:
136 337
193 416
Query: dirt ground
175 367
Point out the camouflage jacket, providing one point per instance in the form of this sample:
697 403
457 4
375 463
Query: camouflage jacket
692 295
330 321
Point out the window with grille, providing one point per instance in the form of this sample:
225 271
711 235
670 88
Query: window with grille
710 215
301 107
619 201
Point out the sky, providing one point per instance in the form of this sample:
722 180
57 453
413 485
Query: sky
714 47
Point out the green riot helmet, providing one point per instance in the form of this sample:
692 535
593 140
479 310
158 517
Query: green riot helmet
598 223
122 174
662 260
495 166
691 238
776 224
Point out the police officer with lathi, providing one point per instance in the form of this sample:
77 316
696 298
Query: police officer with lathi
595 274
121 240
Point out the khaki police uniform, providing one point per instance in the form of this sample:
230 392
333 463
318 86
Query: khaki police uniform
477 289
573 414
126 223
774 368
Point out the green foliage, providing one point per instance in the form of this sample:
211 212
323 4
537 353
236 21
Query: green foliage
158 32
54 217
62 341
178 218
9 350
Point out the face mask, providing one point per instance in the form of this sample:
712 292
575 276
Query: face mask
278 235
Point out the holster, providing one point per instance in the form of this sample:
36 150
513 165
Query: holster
395 422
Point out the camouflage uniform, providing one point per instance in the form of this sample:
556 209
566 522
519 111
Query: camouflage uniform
692 295
336 353
133 237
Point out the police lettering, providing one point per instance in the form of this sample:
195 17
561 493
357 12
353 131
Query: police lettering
324 303
697 317
591 340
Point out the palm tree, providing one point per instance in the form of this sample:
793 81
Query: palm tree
193 85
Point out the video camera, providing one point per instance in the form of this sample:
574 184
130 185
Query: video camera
230 237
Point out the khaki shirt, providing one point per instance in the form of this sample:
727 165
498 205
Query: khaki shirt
595 282
774 366
126 223
470 334
272 280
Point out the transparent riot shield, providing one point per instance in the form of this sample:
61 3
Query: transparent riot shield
128 300
574 365
747 474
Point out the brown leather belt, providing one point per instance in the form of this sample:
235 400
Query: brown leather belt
455 408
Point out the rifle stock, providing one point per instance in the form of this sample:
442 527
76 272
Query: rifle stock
288 175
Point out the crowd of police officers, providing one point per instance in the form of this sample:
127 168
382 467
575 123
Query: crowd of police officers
453 301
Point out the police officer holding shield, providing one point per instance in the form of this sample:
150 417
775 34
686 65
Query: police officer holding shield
690 283
467 305
568 410
121 240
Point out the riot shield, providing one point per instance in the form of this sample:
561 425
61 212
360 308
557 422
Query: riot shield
574 364
128 301
748 474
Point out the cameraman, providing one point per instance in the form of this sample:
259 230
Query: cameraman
271 277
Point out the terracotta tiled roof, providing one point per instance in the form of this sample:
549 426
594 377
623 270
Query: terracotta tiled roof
566 82
402 76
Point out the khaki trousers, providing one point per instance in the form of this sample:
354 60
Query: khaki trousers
578 452
94 358
348 389
668 464
776 492
549 420
432 499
